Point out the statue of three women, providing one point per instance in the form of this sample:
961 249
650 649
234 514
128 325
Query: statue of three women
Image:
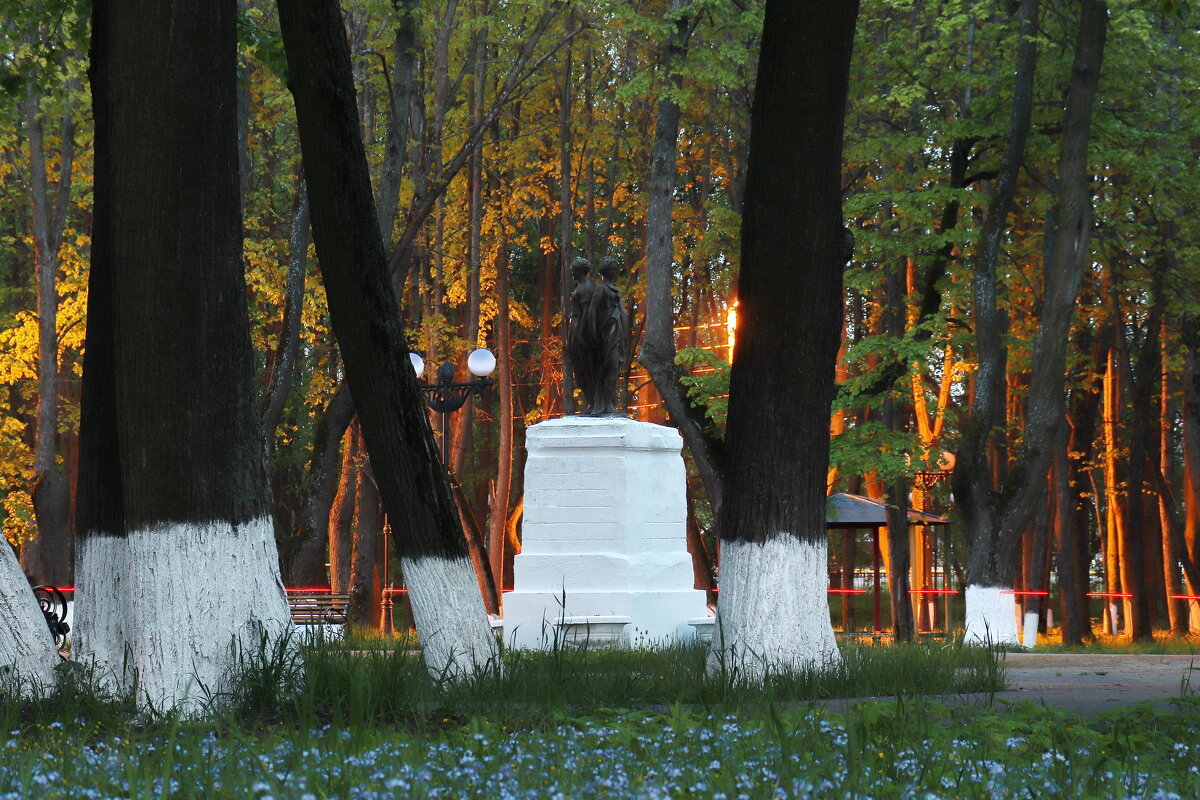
597 335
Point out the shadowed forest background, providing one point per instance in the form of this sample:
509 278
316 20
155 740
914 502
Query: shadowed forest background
507 138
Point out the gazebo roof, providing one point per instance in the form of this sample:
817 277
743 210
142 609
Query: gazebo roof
853 511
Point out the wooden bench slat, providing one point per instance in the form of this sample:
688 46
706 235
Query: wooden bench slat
318 608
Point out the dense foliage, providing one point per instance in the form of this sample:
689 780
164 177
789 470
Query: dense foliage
509 136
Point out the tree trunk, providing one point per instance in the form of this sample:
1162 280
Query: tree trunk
504 414
444 595
658 346
401 88
1068 570
341 515
311 541
288 349
48 558
368 527
566 228
774 610
27 656
1139 545
990 552
466 415
995 519
899 561
1177 617
1190 339
903 625
177 567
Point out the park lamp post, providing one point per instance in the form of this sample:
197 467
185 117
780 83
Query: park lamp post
445 397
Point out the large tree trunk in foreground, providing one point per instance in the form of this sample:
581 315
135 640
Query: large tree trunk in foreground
446 603
773 611
27 656
176 557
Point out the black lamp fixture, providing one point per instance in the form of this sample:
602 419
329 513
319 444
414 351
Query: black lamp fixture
446 395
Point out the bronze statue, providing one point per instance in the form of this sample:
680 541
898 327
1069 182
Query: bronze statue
596 335
611 336
579 338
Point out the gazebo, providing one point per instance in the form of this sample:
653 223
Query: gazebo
854 512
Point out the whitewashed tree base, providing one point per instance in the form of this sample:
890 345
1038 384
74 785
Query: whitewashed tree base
452 625
773 610
27 654
173 605
604 532
1029 630
991 616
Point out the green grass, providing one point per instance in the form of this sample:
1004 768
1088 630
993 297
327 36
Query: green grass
350 721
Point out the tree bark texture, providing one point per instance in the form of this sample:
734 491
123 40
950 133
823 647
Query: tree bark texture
996 519
502 493
445 599
173 509
27 655
400 90
793 253
309 547
1177 618
283 367
365 587
48 558
658 345
1191 455
566 225
990 556
1140 545
341 515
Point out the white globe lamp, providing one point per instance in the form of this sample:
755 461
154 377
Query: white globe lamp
481 363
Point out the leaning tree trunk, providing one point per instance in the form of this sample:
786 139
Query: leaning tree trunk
773 611
176 564
446 603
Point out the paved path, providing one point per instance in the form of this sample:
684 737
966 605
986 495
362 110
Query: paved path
1083 684
1089 684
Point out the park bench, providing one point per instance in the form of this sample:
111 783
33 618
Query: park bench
53 603
318 608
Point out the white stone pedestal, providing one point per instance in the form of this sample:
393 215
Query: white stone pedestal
604 532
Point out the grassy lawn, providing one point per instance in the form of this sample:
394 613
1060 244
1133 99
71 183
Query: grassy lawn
355 724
